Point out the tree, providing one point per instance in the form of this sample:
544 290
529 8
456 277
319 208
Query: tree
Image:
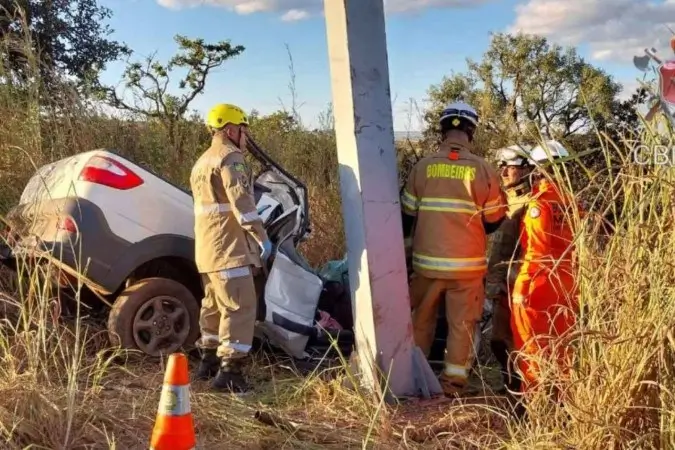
624 120
69 38
525 84
149 82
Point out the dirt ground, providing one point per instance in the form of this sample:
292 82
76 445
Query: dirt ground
290 409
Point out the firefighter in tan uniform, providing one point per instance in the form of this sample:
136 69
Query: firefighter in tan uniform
230 246
514 168
451 201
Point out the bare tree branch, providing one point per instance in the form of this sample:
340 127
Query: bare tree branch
150 83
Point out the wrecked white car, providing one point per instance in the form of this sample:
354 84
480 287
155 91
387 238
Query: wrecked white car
128 235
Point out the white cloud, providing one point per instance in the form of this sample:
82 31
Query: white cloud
614 29
293 10
294 15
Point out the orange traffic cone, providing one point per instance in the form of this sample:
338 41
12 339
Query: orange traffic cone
174 427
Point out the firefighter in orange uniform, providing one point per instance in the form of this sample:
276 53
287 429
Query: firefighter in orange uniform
514 165
451 201
544 301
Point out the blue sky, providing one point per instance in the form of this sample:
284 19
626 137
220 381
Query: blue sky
424 45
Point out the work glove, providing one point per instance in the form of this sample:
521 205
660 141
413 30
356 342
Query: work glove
266 250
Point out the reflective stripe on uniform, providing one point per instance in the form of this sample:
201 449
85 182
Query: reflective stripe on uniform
174 400
212 208
409 201
449 264
250 217
447 205
243 348
236 272
454 370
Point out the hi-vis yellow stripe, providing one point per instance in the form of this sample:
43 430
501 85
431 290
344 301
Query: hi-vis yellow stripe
409 201
413 203
447 205
439 204
449 264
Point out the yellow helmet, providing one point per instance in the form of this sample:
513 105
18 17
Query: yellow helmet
223 113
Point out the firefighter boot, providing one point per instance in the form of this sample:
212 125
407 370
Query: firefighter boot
455 386
230 377
208 366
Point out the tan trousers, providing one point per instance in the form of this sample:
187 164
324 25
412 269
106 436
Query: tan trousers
464 307
228 314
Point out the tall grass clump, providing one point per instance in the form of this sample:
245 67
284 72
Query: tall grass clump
619 392
52 373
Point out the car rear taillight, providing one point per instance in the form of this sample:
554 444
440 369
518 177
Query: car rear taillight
108 172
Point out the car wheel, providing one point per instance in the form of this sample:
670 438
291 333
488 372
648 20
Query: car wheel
157 316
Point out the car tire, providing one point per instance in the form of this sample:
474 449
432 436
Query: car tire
157 316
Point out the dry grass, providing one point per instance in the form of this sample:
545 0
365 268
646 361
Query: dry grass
63 387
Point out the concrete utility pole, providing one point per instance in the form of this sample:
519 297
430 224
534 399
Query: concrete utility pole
370 199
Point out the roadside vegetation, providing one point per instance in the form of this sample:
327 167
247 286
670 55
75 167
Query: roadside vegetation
62 386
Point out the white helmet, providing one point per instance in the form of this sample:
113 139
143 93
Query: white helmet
514 155
459 110
552 149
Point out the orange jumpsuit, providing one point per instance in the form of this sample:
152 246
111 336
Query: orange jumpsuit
544 295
